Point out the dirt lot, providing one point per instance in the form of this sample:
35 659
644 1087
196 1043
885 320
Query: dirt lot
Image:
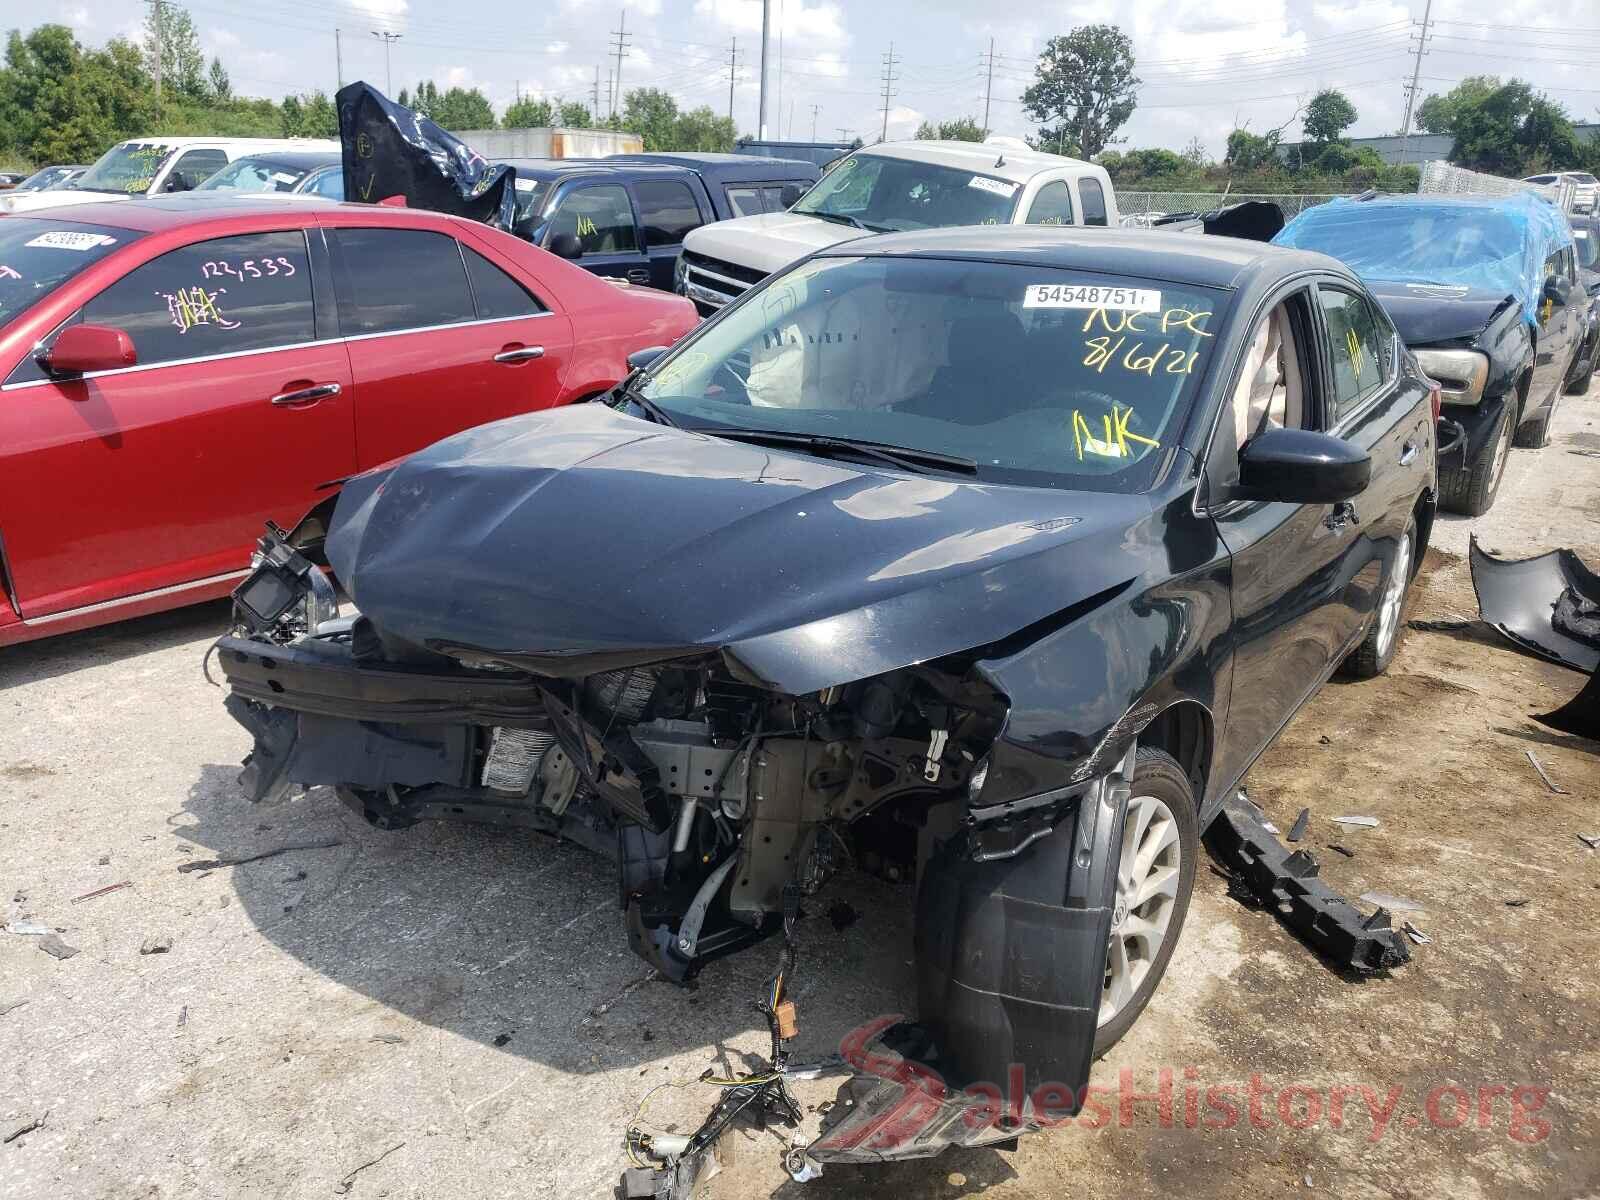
462 1002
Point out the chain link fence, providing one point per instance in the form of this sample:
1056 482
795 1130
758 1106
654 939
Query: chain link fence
1440 178
1140 208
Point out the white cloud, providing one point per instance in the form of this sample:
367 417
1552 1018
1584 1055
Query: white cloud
823 22
557 47
386 14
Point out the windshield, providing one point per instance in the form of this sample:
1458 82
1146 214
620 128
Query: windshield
254 175
531 195
879 193
42 179
1040 376
1403 243
37 256
128 167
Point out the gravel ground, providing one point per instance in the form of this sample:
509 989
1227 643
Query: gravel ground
460 1003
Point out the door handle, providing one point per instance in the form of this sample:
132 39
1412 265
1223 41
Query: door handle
1408 454
305 397
519 354
1342 514
638 275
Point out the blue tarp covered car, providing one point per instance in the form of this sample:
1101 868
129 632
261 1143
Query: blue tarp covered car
1484 290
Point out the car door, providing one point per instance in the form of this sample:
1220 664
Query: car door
441 338
602 218
668 210
1051 205
193 168
1558 323
163 473
1291 563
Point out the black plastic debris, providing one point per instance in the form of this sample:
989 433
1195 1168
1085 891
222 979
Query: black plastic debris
1287 882
1548 605
1298 829
391 151
1579 716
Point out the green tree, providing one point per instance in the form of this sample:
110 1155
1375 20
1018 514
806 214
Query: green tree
1084 81
60 103
702 130
1328 115
1437 114
463 108
1251 151
962 129
183 67
1513 131
1195 154
218 86
653 115
528 113
574 115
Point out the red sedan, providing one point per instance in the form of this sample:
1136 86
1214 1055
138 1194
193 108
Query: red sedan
178 371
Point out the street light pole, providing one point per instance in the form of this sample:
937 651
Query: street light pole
389 39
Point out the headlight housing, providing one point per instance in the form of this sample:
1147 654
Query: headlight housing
1461 374
680 275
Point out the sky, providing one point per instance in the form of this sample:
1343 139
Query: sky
1204 73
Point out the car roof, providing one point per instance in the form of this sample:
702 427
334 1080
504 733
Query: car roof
298 160
553 168
157 214
1201 260
985 158
725 167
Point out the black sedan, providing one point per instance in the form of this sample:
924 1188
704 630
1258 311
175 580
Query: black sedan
989 557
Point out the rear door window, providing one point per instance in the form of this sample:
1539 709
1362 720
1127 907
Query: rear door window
667 209
1360 349
1052 206
498 294
395 279
224 296
195 167
601 217
745 201
1094 201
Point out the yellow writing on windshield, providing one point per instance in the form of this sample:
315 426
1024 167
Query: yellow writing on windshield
1117 435
1357 356
1168 321
1103 350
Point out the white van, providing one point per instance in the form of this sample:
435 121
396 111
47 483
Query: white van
895 186
149 166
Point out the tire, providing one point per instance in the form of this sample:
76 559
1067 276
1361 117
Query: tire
1535 435
1471 489
1376 651
1161 789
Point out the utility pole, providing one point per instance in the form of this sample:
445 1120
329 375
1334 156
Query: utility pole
733 73
621 47
155 9
611 93
777 87
815 109
594 114
1416 73
844 134
889 62
766 27
988 89
338 57
389 39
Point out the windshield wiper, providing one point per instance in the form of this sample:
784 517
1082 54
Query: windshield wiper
905 457
843 219
628 390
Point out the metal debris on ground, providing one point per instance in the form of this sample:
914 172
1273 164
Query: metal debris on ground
1548 605
27 928
1581 714
1392 903
1415 934
213 864
1287 882
1298 829
155 945
1517 902
392 1039
348 1181
183 1016
1344 850
28 1125
1545 775
10 1006
110 887
1591 840
1364 822
52 945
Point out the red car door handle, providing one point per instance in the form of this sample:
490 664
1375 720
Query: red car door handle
516 354
304 397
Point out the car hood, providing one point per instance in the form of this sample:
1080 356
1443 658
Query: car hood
581 539
768 242
1425 314
30 201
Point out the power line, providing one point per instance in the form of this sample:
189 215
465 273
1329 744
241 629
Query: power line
621 47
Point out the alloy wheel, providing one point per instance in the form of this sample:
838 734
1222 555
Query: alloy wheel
1394 596
1147 889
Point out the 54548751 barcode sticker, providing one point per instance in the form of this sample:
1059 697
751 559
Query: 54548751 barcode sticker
68 239
998 186
1091 295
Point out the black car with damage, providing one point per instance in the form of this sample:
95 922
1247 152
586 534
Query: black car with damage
1484 291
997 553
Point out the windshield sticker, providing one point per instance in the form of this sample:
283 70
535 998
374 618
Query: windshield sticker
194 306
1580 233
66 239
1089 295
998 186
1117 435
283 177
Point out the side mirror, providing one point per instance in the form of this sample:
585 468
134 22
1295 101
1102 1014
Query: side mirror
643 360
790 194
83 348
566 245
1558 290
1297 466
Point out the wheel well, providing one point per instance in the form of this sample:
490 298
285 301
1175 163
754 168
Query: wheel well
1185 731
